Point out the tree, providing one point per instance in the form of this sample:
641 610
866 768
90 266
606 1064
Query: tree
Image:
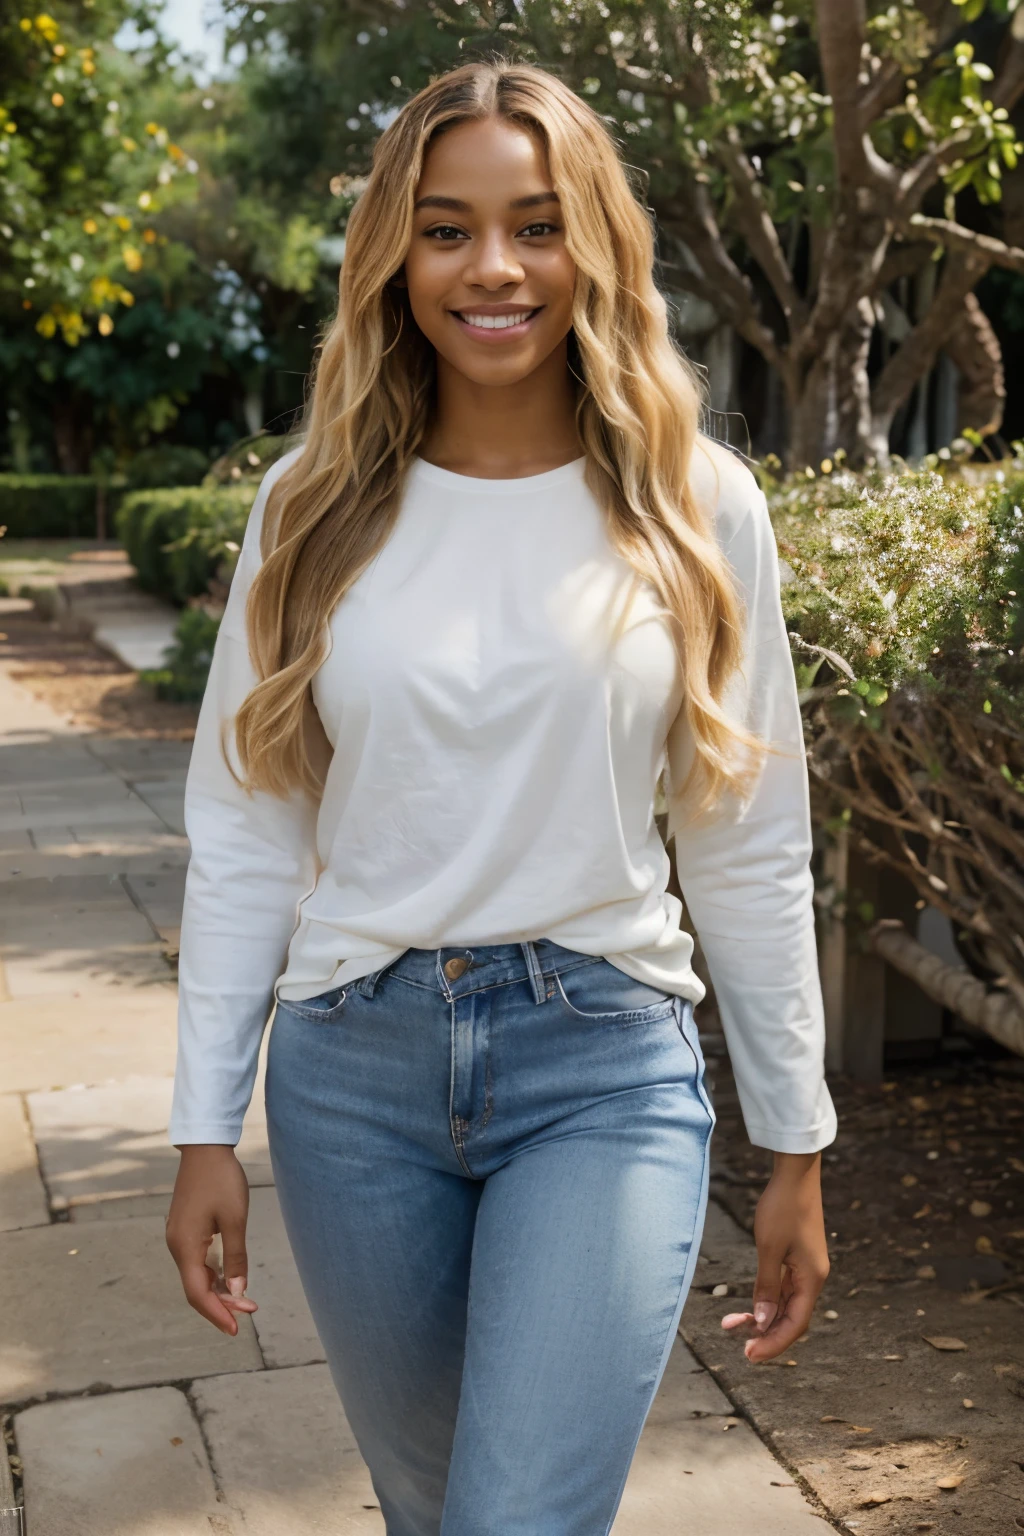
801 156
109 323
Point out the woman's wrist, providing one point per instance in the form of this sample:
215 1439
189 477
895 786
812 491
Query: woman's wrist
794 1167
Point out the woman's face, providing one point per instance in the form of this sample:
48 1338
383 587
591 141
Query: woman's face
489 278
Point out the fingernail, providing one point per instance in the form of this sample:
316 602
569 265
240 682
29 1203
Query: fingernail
236 1285
764 1312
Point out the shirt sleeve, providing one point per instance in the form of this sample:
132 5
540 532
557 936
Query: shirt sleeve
744 869
253 859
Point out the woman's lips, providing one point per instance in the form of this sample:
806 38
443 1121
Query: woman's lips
490 332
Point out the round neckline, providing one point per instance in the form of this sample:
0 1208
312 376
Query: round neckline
483 485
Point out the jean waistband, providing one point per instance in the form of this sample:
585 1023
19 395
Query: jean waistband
456 969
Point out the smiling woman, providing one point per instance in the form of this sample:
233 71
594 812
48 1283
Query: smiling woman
501 592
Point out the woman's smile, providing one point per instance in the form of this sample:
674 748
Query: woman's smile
491 323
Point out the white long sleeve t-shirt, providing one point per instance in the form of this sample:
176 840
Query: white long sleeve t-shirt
498 734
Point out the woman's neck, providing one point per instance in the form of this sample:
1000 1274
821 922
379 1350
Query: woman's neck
503 433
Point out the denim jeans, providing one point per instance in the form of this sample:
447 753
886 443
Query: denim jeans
493 1177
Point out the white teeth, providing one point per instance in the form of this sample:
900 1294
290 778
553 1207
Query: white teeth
497 322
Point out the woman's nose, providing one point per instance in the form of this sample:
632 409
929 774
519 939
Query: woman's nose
493 262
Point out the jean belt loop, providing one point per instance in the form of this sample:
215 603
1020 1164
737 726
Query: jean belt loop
534 971
366 984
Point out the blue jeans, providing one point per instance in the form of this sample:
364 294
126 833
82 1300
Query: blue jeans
494 1185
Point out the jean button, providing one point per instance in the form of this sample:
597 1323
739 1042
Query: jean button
454 967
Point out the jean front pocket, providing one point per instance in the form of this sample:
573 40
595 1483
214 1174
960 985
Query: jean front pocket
318 1010
600 991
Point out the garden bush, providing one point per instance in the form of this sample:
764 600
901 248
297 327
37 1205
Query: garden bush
48 506
904 599
166 464
182 678
180 539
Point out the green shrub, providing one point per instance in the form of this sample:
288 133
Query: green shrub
250 459
182 678
166 464
48 506
178 539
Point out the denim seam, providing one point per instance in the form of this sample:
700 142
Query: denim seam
650 1015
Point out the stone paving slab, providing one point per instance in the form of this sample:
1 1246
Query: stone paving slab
118 1210
285 1455
692 1473
161 896
284 1325
119 1464
110 1139
111 1312
52 1041
75 934
22 1195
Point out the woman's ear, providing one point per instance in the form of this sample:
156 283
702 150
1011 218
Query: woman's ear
398 280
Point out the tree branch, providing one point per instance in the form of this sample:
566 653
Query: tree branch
755 225
957 237
974 347
917 353
729 289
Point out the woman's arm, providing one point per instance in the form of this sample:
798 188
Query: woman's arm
744 871
253 859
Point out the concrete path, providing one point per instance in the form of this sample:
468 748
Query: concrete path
127 1413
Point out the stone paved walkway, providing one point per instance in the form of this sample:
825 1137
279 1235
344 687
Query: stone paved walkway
127 1413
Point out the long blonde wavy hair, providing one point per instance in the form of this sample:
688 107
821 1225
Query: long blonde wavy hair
638 403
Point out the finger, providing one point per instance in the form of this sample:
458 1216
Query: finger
790 1325
199 1283
236 1260
735 1321
768 1286
238 1303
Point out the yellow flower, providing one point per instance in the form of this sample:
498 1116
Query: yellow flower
46 325
104 325
131 257
25 24
57 99
129 145
10 127
126 297
59 50
47 26
153 128
123 224
88 67
90 226
149 235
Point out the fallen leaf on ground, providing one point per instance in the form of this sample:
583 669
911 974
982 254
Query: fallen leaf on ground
983 1245
909 1180
830 1418
943 1341
925 1210
783 1485
926 1272
952 1481
968 1403
876 1498
861 1429
893 1357
1016 1164
980 1208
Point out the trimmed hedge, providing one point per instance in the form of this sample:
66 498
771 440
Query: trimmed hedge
179 539
48 506
166 464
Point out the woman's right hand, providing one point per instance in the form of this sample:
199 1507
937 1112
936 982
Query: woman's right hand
211 1194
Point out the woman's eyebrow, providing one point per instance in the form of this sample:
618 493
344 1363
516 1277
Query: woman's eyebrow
456 204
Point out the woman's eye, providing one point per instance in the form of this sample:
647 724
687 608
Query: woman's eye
444 232
542 227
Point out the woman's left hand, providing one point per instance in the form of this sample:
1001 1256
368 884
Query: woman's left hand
792 1258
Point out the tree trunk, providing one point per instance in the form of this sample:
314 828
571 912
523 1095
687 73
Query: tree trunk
72 434
974 347
994 1012
833 409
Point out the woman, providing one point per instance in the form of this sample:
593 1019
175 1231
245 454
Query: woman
501 587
